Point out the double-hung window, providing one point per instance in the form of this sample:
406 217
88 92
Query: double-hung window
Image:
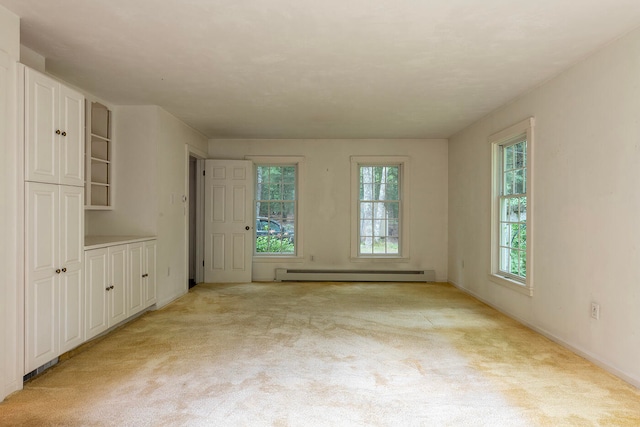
511 228
277 206
379 207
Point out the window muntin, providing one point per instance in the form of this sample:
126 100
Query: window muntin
512 201
512 222
276 209
379 210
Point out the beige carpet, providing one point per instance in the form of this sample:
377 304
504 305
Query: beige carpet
322 354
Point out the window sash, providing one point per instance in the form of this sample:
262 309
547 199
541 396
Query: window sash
512 205
276 203
379 220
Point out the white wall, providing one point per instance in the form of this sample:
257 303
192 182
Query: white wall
327 199
173 173
587 233
149 181
10 210
135 191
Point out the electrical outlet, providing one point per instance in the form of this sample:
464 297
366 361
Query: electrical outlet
595 310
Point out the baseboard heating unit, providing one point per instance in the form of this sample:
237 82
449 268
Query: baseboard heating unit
289 275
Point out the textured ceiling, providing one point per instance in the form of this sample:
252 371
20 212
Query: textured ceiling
318 69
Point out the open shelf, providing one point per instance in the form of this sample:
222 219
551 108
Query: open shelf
98 156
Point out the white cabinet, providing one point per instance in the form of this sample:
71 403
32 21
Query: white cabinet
119 282
54 218
53 131
106 288
142 276
53 271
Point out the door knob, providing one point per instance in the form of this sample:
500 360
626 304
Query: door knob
58 270
57 131
247 228
64 269
64 134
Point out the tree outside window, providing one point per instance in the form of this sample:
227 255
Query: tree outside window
276 209
379 210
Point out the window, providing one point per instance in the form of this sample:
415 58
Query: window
513 209
379 229
511 235
276 209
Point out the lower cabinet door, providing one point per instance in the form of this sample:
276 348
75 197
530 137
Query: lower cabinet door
71 308
135 301
42 273
150 285
96 267
117 293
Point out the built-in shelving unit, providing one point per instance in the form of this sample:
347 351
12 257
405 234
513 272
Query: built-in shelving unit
98 189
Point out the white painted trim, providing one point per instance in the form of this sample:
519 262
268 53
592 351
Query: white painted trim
277 259
511 284
191 151
405 206
300 162
577 350
525 127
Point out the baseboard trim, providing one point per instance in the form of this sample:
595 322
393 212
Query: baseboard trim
580 352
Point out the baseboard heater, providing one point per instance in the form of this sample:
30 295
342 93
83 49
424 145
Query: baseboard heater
289 275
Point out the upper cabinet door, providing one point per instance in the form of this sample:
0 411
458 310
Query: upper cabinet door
54 131
71 139
41 125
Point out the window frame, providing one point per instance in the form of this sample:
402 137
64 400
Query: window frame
404 207
505 138
279 161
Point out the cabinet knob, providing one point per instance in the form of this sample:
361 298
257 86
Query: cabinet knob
58 270
57 131
111 287
107 288
64 134
64 269
145 275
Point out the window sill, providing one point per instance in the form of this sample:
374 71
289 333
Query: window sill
277 258
511 284
385 259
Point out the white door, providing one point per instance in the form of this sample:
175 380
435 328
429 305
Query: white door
228 246
71 137
117 294
150 273
96 266
71 246
135 301
41 125
42 274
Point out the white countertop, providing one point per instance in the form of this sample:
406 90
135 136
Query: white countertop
95 242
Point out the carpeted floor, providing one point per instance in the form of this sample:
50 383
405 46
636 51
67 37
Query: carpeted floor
324 354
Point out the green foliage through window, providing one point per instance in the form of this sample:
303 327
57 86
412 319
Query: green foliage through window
513 209
275 209
379 205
